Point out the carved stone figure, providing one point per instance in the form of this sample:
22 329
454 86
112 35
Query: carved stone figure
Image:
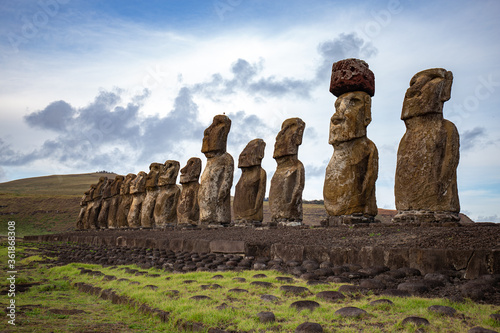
138 191
165 210
102 220
349 188
90 203
115 202
80 222
287 184
214 197
152 190
251 188
126 199
428 154
96 197
188 211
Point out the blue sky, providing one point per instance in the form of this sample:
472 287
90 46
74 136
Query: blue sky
116 85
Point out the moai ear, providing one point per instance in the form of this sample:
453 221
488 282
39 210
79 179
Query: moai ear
368 110
446 92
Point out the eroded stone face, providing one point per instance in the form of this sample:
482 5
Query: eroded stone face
428 155
191 171
138 190
287 184
349 188
251 188
215 136
214 196
352 116
188 211
169 172
154 173
289 138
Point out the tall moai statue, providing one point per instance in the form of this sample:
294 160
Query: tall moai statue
349 188
287 184
102 220
90 203
115 202
251 188
214 197
126 199
96 203
138 191
80 221
152 190
188 211
428 154
165 210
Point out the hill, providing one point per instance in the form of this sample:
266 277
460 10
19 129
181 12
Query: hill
42 205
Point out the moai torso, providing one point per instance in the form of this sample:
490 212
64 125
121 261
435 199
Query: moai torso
125 201
115 202
188 211
102 220
251 188
138 191
426 180
152 190
214 196
349 188
96 196
287 184
165 211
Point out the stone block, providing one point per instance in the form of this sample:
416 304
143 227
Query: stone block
224 246
352 75
287 252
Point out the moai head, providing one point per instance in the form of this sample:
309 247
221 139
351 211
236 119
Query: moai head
125 189
87 196
154 173
289 138
116 185
100 186
428 91
252 154
106 188
353 83
352 116
138 185
92 189
169 172
191 172
215 136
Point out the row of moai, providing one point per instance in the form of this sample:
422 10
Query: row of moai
425 186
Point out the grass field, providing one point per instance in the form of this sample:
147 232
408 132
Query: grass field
53 304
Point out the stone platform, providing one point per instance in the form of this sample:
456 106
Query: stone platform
472 250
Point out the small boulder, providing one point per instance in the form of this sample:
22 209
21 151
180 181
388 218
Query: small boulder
351 312
442 310
308 327
266 317
304 305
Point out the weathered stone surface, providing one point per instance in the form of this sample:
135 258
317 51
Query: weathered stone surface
96 202
165 211
138 191
251 188
266 317
479 329
188 211
80 221
351 312
214 196
115 202
287 184
152 191
417 321
102 219
309 327
428 154
351 75
305 305
126 199
349 188
442 310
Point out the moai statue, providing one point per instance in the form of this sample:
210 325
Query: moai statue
80 222
214 196
115 202
165 210
126 199
102 220
96 203
428 154
251 188
349 188
287 184
90 203
188 211
152 190
138 191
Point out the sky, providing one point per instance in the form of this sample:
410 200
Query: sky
116 85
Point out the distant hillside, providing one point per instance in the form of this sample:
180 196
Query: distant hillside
54 185
43 205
